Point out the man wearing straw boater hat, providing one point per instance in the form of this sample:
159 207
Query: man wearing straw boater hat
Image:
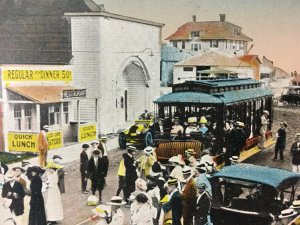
146 162
203 204
130 172
189 196
264 121
117 214
13 190
175 202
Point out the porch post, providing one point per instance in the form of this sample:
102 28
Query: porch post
78 119
38 117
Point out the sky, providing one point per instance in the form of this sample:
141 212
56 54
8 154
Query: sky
274 25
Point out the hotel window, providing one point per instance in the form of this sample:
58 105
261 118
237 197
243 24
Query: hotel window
214 43
17 117
195 34
54 114
28 116
183 45
122 102
175 44
195 47
190 69
66 112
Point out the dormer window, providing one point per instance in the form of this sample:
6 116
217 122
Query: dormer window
195 34
237 31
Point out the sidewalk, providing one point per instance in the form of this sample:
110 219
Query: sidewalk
71 153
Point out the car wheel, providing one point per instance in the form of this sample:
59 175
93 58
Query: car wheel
148 139
122 141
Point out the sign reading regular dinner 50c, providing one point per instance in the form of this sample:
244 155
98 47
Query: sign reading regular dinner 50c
37 75
27 142
87 133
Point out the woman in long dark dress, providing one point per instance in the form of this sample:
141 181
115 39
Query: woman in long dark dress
37 215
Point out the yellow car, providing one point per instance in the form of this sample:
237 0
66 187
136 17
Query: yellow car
139 133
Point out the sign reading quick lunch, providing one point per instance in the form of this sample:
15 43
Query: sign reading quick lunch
37 75
87 132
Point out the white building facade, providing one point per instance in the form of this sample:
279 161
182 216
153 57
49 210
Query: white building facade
117 58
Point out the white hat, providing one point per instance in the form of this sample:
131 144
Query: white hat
148 150
46 127
174 159
234 158
287 213
9 175
266 112
116 200
101 209
186 170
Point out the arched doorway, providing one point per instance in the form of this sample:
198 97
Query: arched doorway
132 90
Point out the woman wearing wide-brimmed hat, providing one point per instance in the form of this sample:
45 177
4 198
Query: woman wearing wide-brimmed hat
37 215
54 209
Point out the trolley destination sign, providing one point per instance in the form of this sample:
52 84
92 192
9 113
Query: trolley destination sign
74 93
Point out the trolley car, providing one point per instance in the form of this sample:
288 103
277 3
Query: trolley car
219 101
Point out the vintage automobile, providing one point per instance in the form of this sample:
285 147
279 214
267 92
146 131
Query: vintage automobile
290 95
249 194
138 134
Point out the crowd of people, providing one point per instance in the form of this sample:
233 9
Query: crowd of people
32 194
178 193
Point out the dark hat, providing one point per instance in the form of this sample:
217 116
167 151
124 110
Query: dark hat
285 124
56 157
18 168
36 169
201 168
141 198
96 152
25 163
85 146
172 181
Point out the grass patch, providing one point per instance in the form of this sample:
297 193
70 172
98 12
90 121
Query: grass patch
7 157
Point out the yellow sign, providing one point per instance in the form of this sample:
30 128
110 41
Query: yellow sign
55 139
87 133
22 142
37 75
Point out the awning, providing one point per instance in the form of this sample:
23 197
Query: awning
41 94
227 97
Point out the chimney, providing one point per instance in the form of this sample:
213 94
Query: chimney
194 18
222 17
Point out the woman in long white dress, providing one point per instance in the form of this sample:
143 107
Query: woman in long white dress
54 209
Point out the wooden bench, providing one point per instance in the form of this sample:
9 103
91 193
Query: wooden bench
167 149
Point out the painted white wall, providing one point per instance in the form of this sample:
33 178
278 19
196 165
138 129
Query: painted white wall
101 49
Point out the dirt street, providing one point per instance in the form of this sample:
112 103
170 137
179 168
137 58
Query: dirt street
74 203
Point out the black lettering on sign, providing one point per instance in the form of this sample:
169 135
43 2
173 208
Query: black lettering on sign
23 144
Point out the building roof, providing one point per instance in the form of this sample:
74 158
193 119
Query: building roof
227 97
41 94
212 58
296 79
171 54
250 59
224 82
276 178
115 16
209 30
35 32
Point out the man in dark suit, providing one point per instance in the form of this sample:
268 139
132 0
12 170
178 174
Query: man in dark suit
203 205
97 171
130 172
13 190
84 159
174 203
